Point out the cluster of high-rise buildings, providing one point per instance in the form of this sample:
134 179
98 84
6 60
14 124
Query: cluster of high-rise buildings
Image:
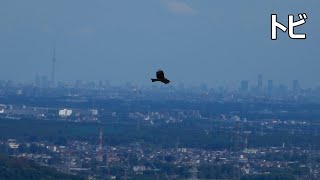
267 86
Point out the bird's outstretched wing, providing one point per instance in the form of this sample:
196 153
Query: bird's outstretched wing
160 74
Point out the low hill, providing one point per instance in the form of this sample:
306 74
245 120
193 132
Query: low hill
24 169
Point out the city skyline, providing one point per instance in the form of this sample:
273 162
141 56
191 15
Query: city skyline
260 86
260 83
106 40
161 89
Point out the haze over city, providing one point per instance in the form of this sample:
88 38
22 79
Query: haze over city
159 90
213 42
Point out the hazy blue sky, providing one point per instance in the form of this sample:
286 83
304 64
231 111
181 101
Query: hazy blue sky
195 41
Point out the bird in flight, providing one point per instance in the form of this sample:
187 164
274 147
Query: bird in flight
160 77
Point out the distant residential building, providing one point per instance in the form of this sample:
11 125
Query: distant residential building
13 144
244 86
94 112
19 92
260 82
295 85
44 82
283 88
2 108
41 81
183 150
37 80
140 168
270 86
65 112
79 84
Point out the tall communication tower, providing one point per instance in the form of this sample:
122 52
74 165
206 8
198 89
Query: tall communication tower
194 173
237 137
246 135
99 153
53 73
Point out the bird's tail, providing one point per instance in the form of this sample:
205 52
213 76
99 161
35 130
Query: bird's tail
154 80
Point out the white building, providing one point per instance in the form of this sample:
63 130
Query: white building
13 144
65 112
94 112
2 108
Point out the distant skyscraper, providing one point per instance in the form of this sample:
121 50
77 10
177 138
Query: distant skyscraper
260 82
41 81
244 86
106 84
283 88
295 85
270 86
37 80
44 82
79 84
203 87
101 84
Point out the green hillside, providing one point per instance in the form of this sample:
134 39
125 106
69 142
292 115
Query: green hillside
23 169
